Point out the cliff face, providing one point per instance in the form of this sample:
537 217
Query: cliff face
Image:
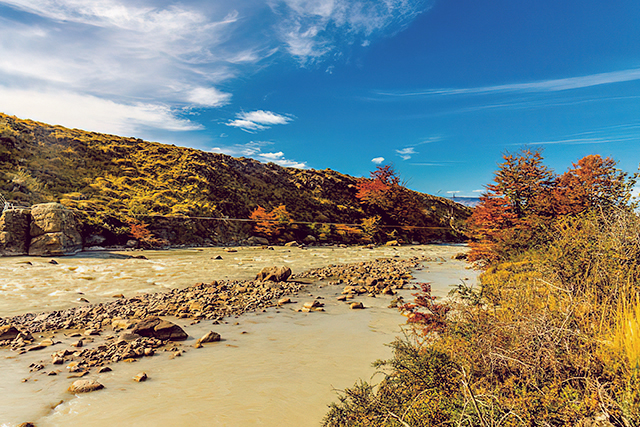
112 178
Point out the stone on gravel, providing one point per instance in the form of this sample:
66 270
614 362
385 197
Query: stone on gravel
8 332
356 305
155 327
274 274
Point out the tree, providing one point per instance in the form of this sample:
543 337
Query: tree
593 182
514 212
518 210
386 197
270 224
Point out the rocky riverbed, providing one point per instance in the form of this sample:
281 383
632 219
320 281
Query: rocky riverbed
131 328
81 348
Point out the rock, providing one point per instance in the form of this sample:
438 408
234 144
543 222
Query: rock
27 424
104 369
118 323
155 327
257 241
217 258
141 377
210 337
356 305
14 232
53 261
274 274
131 244
85 386
313 304
284 300
392 243
370 281
290 244
57 360
54 231
460 256
230 250
309 240
77 344
8 332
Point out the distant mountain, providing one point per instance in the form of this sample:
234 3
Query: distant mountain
111 178
471 202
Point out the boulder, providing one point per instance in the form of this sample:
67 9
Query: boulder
292 243
356 306
54 231
85 386
8 332
155 327
257 241
392 243
274 274
14 232
309 240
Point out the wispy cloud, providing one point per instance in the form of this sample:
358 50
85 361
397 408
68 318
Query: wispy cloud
93 113
258 120
406 153
171 56
311 29
606 135
253 149
377 160
551 85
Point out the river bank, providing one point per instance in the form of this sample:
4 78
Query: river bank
278 346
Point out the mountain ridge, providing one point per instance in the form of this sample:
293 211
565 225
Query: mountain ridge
112 178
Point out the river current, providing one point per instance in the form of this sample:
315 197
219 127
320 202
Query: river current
273 368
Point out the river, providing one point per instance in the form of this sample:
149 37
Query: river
273 368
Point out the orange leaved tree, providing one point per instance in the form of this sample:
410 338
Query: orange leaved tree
270 224
519 209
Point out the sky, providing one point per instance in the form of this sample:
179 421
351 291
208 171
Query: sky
440 89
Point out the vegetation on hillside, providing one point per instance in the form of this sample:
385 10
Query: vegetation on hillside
551 337
113 179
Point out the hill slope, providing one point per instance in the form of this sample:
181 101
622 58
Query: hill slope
112 178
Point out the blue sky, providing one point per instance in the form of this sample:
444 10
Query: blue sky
441 89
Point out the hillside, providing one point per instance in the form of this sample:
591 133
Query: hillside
113 179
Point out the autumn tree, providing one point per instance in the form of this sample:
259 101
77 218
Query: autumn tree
591 183
270 224
519 208
515 210
384 196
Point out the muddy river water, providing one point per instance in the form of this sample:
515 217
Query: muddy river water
273 368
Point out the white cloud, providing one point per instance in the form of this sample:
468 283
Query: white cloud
209 97
253 149
406 153
258 120
311 29
91 113
551 85
377 160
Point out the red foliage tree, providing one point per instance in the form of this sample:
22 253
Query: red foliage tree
518 210
270 224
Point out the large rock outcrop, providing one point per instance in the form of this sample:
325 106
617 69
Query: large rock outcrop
14 232
54 231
